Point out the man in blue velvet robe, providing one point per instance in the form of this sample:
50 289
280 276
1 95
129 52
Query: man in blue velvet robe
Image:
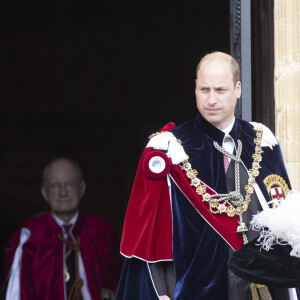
196 188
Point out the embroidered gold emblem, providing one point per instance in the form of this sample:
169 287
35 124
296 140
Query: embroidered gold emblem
277 188
157 133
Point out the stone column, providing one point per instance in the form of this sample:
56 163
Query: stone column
287 84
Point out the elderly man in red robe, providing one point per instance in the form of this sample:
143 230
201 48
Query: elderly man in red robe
65 254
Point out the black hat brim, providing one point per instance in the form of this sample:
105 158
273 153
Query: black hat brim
273 268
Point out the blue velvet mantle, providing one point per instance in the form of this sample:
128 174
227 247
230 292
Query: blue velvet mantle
200 255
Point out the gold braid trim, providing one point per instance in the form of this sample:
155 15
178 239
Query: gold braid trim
270 180
156 133
260 292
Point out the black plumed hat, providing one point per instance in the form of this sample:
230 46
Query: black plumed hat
275 267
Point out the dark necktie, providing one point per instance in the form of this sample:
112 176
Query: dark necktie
69 265
67 228
226 159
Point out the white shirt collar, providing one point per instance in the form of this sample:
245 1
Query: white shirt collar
228 146
61 222
228 128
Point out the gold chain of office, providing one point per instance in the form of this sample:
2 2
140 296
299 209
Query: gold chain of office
233 203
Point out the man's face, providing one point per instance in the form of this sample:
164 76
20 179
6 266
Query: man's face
216 94
63 189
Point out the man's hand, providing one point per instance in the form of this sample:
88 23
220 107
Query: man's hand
164 297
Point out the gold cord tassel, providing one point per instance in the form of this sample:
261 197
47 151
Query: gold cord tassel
260 292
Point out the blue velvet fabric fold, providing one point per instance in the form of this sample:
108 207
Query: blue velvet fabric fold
135 282
200 254
197 136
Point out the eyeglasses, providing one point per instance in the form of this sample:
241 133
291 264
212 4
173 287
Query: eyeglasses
69 186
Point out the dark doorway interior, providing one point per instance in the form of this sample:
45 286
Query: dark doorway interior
263 62
92 80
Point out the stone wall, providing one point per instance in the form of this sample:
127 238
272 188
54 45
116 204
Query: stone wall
287 83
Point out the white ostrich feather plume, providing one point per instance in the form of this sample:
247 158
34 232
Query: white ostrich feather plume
280 225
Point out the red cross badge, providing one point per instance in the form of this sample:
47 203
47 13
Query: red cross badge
277 195
277 188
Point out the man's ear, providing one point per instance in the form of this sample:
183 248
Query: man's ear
82 187
238 89
44 193
196 81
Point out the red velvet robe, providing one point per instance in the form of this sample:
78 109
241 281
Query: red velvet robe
147 232
42 258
